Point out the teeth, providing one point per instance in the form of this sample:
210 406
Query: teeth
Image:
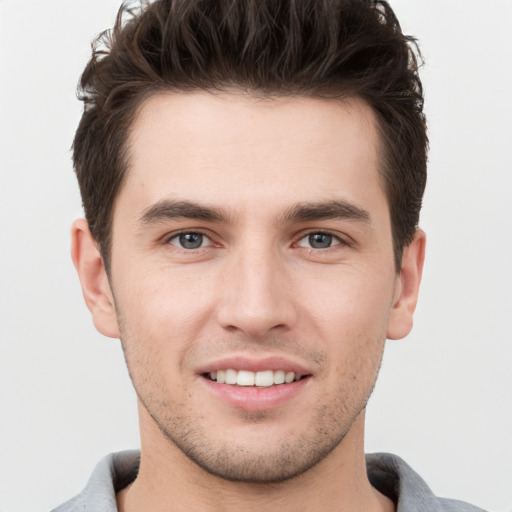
262 379
231 376
279 377
245 378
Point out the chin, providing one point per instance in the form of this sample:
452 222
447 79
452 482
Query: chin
259 453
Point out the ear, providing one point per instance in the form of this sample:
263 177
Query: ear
407 288
93 278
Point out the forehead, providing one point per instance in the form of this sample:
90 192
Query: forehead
199 145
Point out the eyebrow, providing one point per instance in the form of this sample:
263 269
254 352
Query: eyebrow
302 212
338 209
168 210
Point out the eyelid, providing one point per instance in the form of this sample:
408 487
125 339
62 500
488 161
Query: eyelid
167 239
339 238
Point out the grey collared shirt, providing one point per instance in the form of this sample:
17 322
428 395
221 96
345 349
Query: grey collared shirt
387 473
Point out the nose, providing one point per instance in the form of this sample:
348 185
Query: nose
257 298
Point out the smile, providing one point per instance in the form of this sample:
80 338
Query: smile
264 378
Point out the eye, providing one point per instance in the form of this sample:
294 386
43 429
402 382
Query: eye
319 240
190 240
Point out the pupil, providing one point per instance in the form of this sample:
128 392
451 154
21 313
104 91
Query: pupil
191 240
320 240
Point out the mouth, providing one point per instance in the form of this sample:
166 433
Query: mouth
252 383
258 379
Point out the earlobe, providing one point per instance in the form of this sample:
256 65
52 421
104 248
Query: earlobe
93 279
407 288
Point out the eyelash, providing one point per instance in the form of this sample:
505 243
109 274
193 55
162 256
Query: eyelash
175 236
335 240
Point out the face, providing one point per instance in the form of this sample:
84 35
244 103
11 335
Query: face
253 277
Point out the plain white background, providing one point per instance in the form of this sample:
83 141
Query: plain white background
443 398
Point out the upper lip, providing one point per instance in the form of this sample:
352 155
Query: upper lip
254 364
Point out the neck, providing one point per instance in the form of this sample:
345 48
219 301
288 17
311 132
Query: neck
169 480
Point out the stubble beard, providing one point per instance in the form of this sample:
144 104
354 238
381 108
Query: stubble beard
272 463
327 425
255 465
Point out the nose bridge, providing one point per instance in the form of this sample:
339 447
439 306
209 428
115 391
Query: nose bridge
257 298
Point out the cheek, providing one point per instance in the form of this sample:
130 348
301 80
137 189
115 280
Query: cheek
350 302
350 314
161 316
165 297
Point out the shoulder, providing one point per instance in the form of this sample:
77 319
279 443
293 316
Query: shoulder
112 473
393 477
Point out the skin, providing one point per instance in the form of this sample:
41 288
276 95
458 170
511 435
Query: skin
237 171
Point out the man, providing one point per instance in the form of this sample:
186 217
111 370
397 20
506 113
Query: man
252 175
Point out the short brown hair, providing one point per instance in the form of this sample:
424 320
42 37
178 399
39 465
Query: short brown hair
313 48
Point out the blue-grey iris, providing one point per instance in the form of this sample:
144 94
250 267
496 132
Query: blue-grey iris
191 240
320 240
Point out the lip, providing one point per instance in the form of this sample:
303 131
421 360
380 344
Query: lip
248 398
254 364
251 398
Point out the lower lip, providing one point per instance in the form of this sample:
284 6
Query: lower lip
249 398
